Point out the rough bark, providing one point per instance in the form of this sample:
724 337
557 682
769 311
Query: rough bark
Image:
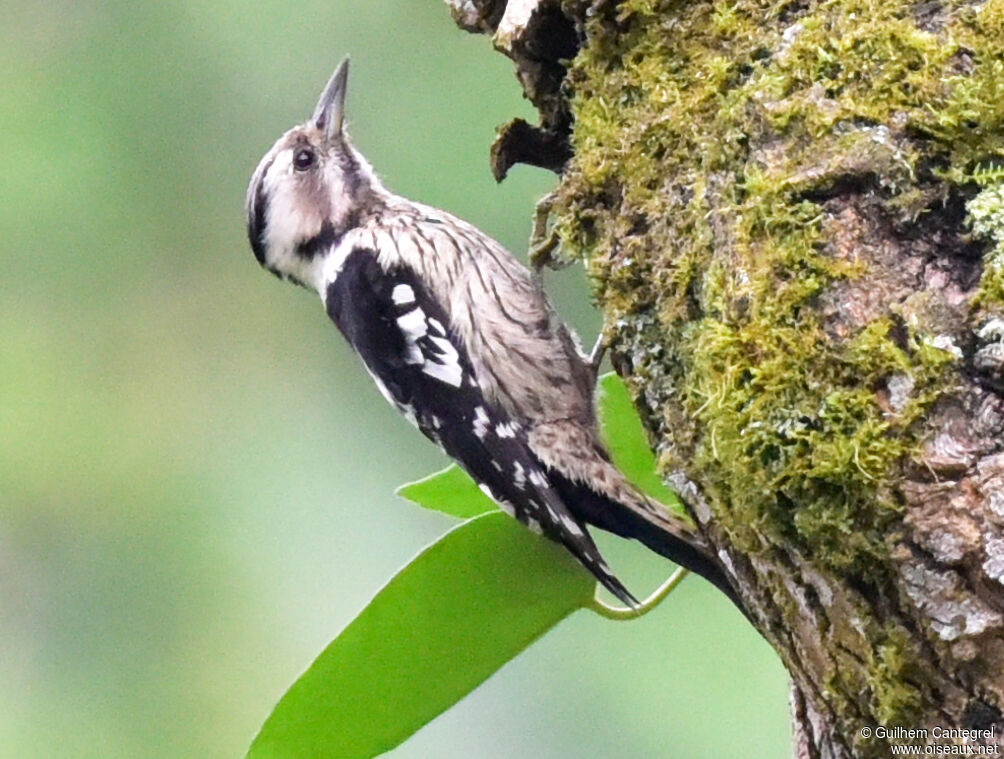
794 215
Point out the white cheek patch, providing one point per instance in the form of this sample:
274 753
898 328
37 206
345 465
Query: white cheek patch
288 223
285 222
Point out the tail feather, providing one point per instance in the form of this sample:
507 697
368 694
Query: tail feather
609 581
596 492
663 533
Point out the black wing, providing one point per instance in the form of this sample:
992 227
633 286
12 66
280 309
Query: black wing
405 340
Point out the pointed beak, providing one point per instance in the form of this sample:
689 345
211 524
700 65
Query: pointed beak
331 105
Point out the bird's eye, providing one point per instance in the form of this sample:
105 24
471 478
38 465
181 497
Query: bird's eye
303 159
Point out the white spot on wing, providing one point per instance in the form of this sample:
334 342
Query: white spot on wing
451 374
537 478
571 526
413 324
446 367
519 475
480 422
437 326
506 430
402 295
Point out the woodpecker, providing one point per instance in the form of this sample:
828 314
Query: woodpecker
459 336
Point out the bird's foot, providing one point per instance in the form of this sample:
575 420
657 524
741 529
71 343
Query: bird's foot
596 355
543 241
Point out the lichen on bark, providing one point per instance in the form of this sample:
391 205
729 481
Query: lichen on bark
793 216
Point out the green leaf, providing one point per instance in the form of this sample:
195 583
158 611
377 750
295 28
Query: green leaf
626 439
446 622
460 610
450 491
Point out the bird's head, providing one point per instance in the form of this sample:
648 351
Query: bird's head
308 190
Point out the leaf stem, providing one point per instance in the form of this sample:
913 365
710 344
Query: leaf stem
623 613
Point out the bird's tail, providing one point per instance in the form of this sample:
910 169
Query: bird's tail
660 530
600 495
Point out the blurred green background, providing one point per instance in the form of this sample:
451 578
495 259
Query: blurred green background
195 477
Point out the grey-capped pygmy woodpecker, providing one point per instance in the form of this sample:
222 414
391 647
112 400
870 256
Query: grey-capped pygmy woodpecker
459 336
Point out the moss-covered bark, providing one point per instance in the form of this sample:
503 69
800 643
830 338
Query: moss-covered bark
793 213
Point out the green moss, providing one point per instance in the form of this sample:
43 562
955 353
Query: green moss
701 140
986 214
707 137
889 688
897 699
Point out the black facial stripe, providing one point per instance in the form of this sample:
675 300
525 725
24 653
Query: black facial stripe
257 215
319 242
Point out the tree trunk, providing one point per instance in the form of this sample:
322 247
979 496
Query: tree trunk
794 215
